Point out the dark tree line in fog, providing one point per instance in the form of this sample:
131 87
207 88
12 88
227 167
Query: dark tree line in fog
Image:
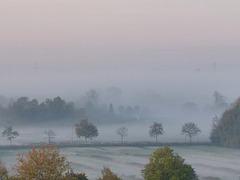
25 110
32 111
92 105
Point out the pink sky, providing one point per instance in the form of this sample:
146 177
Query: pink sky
119 23
79 44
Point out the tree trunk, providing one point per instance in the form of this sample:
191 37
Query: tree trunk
190 139
10 141
49 139
122 139
156 139
72 135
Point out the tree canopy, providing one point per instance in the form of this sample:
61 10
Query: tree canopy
165 165
10 134
24 110
226 130
155 130
86 129
43 163
190 129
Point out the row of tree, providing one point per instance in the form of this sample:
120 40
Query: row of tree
87 130
47 163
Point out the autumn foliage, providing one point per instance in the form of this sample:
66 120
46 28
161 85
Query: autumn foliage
3 170
43 163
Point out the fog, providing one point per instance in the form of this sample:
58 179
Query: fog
176 74
159 81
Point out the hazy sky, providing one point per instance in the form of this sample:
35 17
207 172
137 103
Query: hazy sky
63 47
119 23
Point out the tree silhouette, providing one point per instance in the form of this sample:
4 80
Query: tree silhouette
155 130
51 134
122 131
86 130
190 129
10 134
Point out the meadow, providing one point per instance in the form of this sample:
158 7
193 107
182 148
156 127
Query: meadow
208 161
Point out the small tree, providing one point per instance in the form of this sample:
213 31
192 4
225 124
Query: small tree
51 134
10 134
86 130
107 174
164 164
122 131
42 163
155 130
190 129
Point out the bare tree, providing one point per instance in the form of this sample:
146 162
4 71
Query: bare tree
155 130
10 134
190 129
122 131
51 134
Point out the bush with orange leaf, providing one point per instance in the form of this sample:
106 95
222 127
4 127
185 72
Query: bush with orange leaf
43 163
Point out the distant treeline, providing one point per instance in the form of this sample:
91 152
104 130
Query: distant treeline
24 110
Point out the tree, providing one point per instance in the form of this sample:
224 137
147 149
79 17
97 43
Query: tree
3 170
190 129
165 165
42 163
122 131
86 130
107 174
10 134
51 134
226 130
155 130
